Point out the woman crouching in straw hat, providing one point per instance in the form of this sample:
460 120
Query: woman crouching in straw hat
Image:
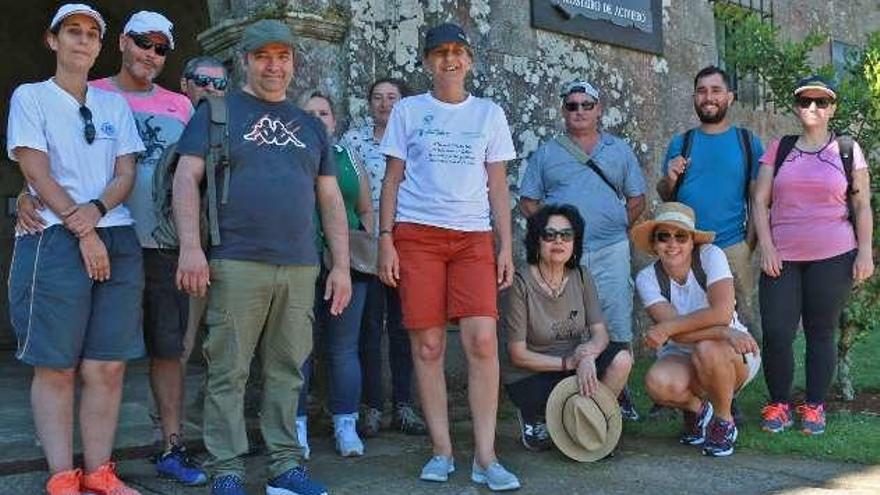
704 354
554 327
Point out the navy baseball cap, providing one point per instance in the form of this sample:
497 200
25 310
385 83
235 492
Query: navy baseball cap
818 83
445 33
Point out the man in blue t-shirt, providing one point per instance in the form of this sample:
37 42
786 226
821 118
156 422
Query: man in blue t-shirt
597 173
709 169
262 273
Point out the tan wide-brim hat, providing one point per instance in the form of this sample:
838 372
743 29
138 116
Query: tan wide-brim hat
585 429
675 214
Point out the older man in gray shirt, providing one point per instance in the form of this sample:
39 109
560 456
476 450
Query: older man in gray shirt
599 174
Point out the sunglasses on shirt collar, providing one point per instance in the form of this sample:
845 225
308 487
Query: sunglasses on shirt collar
145 43
89 131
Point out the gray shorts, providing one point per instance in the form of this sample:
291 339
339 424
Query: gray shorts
61 316
610 268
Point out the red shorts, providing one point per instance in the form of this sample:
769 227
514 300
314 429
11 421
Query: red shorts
445 275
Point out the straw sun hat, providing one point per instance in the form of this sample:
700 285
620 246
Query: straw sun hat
674 214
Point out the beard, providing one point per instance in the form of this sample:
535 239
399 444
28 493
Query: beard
708 118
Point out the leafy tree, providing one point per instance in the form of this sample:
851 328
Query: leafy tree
756 48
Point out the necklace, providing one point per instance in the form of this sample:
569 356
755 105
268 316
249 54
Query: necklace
554 291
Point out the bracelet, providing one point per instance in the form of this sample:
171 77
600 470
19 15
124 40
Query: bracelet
385 232
102 209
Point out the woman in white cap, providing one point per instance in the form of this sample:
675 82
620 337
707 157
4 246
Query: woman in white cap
704 354
75 286
444 180
812 211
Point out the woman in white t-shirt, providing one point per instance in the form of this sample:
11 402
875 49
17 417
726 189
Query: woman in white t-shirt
704 354
75 286
444 178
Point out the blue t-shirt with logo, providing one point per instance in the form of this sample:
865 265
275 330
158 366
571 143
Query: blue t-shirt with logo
276 152
715 181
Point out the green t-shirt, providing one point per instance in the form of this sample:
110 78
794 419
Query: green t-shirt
349 184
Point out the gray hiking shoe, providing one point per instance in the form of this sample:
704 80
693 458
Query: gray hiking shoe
495 477
405 419
438 468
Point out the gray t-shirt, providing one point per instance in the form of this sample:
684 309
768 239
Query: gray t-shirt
549 325
554 176
277 151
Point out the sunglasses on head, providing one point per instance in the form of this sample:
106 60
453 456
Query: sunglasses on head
145 43
572 106
89 131
681 237
806 101
550 235
203 81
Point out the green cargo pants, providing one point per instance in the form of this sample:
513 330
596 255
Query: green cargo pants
247 301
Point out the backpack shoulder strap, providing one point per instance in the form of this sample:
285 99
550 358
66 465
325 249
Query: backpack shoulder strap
697 267
687 142
579 154
845 145
218 155
662 280
745 142
786 144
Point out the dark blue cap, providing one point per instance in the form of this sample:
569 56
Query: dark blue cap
816 82
445 33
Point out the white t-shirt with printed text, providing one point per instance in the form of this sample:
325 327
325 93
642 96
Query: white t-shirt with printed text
446 147
44 117
688 297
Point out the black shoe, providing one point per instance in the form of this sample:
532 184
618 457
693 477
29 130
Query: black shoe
627 406
534 435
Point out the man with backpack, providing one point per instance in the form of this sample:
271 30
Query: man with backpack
145 43
262 187
712 168
599 174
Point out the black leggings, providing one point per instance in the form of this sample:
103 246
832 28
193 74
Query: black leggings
813 292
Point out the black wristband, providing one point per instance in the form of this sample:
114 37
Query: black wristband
384 232
100 206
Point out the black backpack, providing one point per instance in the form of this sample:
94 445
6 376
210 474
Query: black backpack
745 142
663 277
844 145
165 232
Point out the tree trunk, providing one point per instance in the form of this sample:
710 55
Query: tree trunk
844 345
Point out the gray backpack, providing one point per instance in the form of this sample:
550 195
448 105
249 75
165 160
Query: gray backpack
165 232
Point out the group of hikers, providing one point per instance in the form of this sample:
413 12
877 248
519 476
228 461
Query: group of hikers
149 213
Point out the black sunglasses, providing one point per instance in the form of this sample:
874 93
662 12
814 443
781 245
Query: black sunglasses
664 237
805 101
145 43
550 235
203 81
89 131
572 106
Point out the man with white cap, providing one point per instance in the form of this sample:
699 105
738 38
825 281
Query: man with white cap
599 174
262 273
145 43
75 286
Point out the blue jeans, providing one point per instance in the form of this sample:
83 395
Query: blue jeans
382 300
610 268
337 337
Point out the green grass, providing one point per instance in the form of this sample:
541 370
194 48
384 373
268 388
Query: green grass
849 436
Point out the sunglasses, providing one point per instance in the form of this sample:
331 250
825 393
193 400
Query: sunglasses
805 102
551 235
203 81
89 131
572 106
664 237
145 43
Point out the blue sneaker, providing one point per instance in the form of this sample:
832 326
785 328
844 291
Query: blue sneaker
178 466
294 481
694 431
720 438
229 484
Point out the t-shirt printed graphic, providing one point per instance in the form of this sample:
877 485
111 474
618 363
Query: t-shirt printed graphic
268 131
160 116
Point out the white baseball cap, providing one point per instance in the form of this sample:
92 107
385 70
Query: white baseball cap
70 9
144 22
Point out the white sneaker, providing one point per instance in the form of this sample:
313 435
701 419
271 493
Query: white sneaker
348 443
302 436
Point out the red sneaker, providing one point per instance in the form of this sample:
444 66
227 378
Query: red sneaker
104 482
64 483
776 417
812 418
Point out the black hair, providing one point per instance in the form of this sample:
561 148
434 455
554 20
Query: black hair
711 71
538 222
400 84
201 61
